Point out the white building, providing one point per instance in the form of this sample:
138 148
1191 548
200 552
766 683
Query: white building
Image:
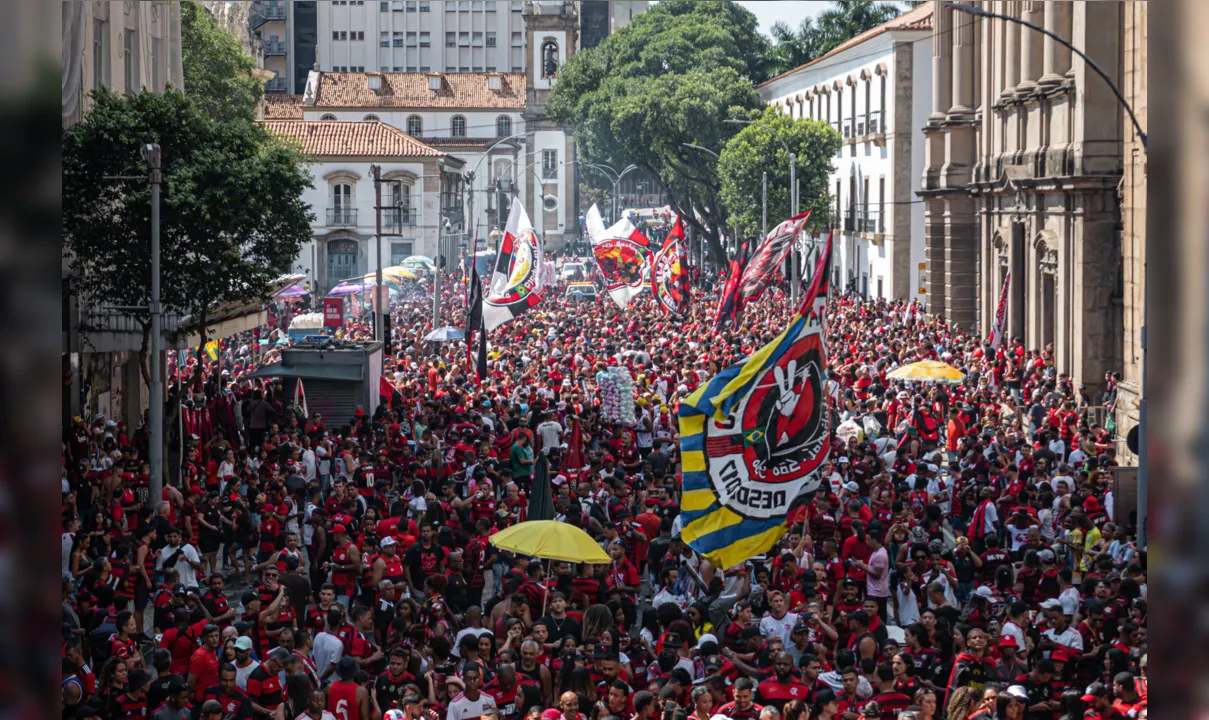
418 184
876 89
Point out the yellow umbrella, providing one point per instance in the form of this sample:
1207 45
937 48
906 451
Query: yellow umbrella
399 272
551 540
927 371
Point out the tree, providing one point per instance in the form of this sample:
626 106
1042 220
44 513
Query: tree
218 75
232 214
755 150
670 77
843 21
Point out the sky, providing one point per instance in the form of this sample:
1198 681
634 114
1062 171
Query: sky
768 12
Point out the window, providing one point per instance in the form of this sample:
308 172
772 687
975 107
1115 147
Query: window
411 5
425 6
157 63
342 196
464 68
384 6
100 53
503 126
477 5
490 38
518 69
384 68
396 5
425 39
434 82
410 68
335 34
489 6
451 39
495 82
490 68
549 163
425 68
464 39
328 116
371 118
518 39
360 34
130 56
517 6
451 68
549 58
411 39
359 68
383 39
415 126
398 38
463 5
457 127
477 39
400 251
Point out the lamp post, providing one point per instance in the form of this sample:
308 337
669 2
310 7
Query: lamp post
795 270
1143 425
470 176
155 413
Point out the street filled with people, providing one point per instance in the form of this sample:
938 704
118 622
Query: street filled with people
963 556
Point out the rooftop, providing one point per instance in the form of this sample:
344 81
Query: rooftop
279 106
367 139
413 90
918 19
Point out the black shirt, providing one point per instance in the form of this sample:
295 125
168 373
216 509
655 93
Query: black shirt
159 690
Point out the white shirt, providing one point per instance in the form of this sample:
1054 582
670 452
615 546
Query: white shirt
907 604
325 716
242 673
463 708
783 628
664 596
308 463
327 651
991 519
1069 638
551 435
188 576
457 641
1011 628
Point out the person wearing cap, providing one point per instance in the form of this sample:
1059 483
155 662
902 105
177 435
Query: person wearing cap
244 662
1009 665
1099 703
346 699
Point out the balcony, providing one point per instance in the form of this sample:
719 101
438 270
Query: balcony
273 11
342 217
277 84
395 219
274 47
863 222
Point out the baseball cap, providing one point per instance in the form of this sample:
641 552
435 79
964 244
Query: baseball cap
1060 654
1018 692
843 461
1051 604
339 529
1095 691
1007 641
1046 556
388 541
983 591
243 643
851 486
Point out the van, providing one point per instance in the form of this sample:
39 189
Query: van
581 291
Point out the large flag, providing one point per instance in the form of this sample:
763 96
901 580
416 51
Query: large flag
1000 314
770 257
730 302
300 399
474 310
623 254
754 436
669 273
516 284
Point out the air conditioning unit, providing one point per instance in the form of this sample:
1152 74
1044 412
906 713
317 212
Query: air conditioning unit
495 82
375 82
434 83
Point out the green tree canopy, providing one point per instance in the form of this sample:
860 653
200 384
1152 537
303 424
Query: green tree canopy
218 74
232 214
756 150
670 77
844 20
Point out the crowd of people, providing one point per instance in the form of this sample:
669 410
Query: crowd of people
960 559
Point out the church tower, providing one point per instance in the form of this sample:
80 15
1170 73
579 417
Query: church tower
552 30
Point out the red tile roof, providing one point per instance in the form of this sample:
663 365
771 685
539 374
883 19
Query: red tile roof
279 106
410 90
918 19
365 139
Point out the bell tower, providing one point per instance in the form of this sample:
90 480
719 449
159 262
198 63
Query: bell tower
552 34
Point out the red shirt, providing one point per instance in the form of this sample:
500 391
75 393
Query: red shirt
203 664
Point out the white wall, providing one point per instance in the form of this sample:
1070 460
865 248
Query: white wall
922 58
437 123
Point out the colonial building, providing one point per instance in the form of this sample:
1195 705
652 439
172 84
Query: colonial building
1024 158
875 89
1133 216
419 185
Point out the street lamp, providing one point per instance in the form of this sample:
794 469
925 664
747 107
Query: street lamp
470 176
614 178
155 415
795 271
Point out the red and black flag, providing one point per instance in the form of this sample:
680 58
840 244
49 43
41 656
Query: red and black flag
474 323
770 257
730 304
669 275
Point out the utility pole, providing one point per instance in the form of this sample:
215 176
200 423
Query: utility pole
764 196
795 271
381 307
155 412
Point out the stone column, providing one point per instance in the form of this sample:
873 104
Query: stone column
934 254
963 63
1031 45
1011 55
1056 55
942 60
961 261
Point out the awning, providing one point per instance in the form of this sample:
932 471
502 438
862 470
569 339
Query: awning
348 373
226 319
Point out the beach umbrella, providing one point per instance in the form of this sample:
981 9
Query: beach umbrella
445 334
551 540
352 286
929 371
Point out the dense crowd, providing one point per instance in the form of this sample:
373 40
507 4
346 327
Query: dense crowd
960 559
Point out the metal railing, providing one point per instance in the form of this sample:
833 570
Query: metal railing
277 84
342 217
272 11
272 47
394 219
859 220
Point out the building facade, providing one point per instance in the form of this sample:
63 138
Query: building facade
419 185
599 19
1133 219
1024 158
288 33
875 89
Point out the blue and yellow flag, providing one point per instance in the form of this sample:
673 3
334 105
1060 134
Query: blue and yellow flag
212 350
753 437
